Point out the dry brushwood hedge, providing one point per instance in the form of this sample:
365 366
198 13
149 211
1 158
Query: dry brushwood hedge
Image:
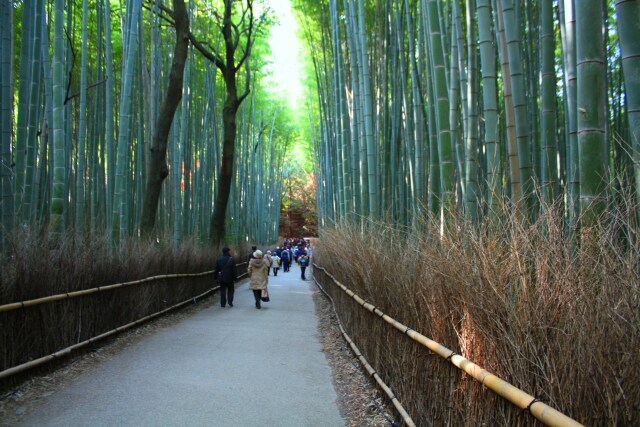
559 323
33 332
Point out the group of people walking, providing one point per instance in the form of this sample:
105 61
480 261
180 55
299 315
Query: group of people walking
258 270
286 256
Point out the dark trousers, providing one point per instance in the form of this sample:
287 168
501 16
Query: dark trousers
275 270
257 294
226 293
285 264
302 269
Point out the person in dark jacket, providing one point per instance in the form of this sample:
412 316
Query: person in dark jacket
304 263
285 256
226 266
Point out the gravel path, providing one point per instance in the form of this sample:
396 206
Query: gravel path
209 365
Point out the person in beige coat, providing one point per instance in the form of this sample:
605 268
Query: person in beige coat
269 258
258 272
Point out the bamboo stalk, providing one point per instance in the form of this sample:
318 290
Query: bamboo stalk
396 403
523 400
37 362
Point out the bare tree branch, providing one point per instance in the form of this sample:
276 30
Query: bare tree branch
249 36
210 54
247 83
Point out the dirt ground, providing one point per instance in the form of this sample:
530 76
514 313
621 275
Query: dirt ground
360 403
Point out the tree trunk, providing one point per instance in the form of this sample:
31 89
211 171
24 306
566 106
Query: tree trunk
592 144
82 126
229 69
157 158
225 177
548 104
518 95
490 105
58 199
629 28
445 150
567 30
119 227
6 53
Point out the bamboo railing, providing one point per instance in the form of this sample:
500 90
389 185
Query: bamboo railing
37 301
541 411
394 400
66 351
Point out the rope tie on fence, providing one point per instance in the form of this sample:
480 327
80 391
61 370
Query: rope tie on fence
393 422
528 408
453 353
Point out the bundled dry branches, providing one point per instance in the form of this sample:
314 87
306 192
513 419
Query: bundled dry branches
558 320
39 269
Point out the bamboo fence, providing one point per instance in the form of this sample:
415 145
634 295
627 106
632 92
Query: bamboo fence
58 297
526 402
68 350
388 391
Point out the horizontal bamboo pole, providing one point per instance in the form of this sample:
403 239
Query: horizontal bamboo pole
60 353
37 301
30 303
521 399
396 403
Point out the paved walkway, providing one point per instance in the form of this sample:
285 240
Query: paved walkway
237 367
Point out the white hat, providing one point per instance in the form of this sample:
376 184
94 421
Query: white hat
268 252
258 254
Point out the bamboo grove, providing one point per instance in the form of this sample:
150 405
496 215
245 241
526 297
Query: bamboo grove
81 86
436 106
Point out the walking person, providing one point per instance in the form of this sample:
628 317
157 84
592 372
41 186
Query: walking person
276 264
258 275
226 274
286 259
250 256
304 262
269 258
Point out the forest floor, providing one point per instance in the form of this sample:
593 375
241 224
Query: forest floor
360 403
